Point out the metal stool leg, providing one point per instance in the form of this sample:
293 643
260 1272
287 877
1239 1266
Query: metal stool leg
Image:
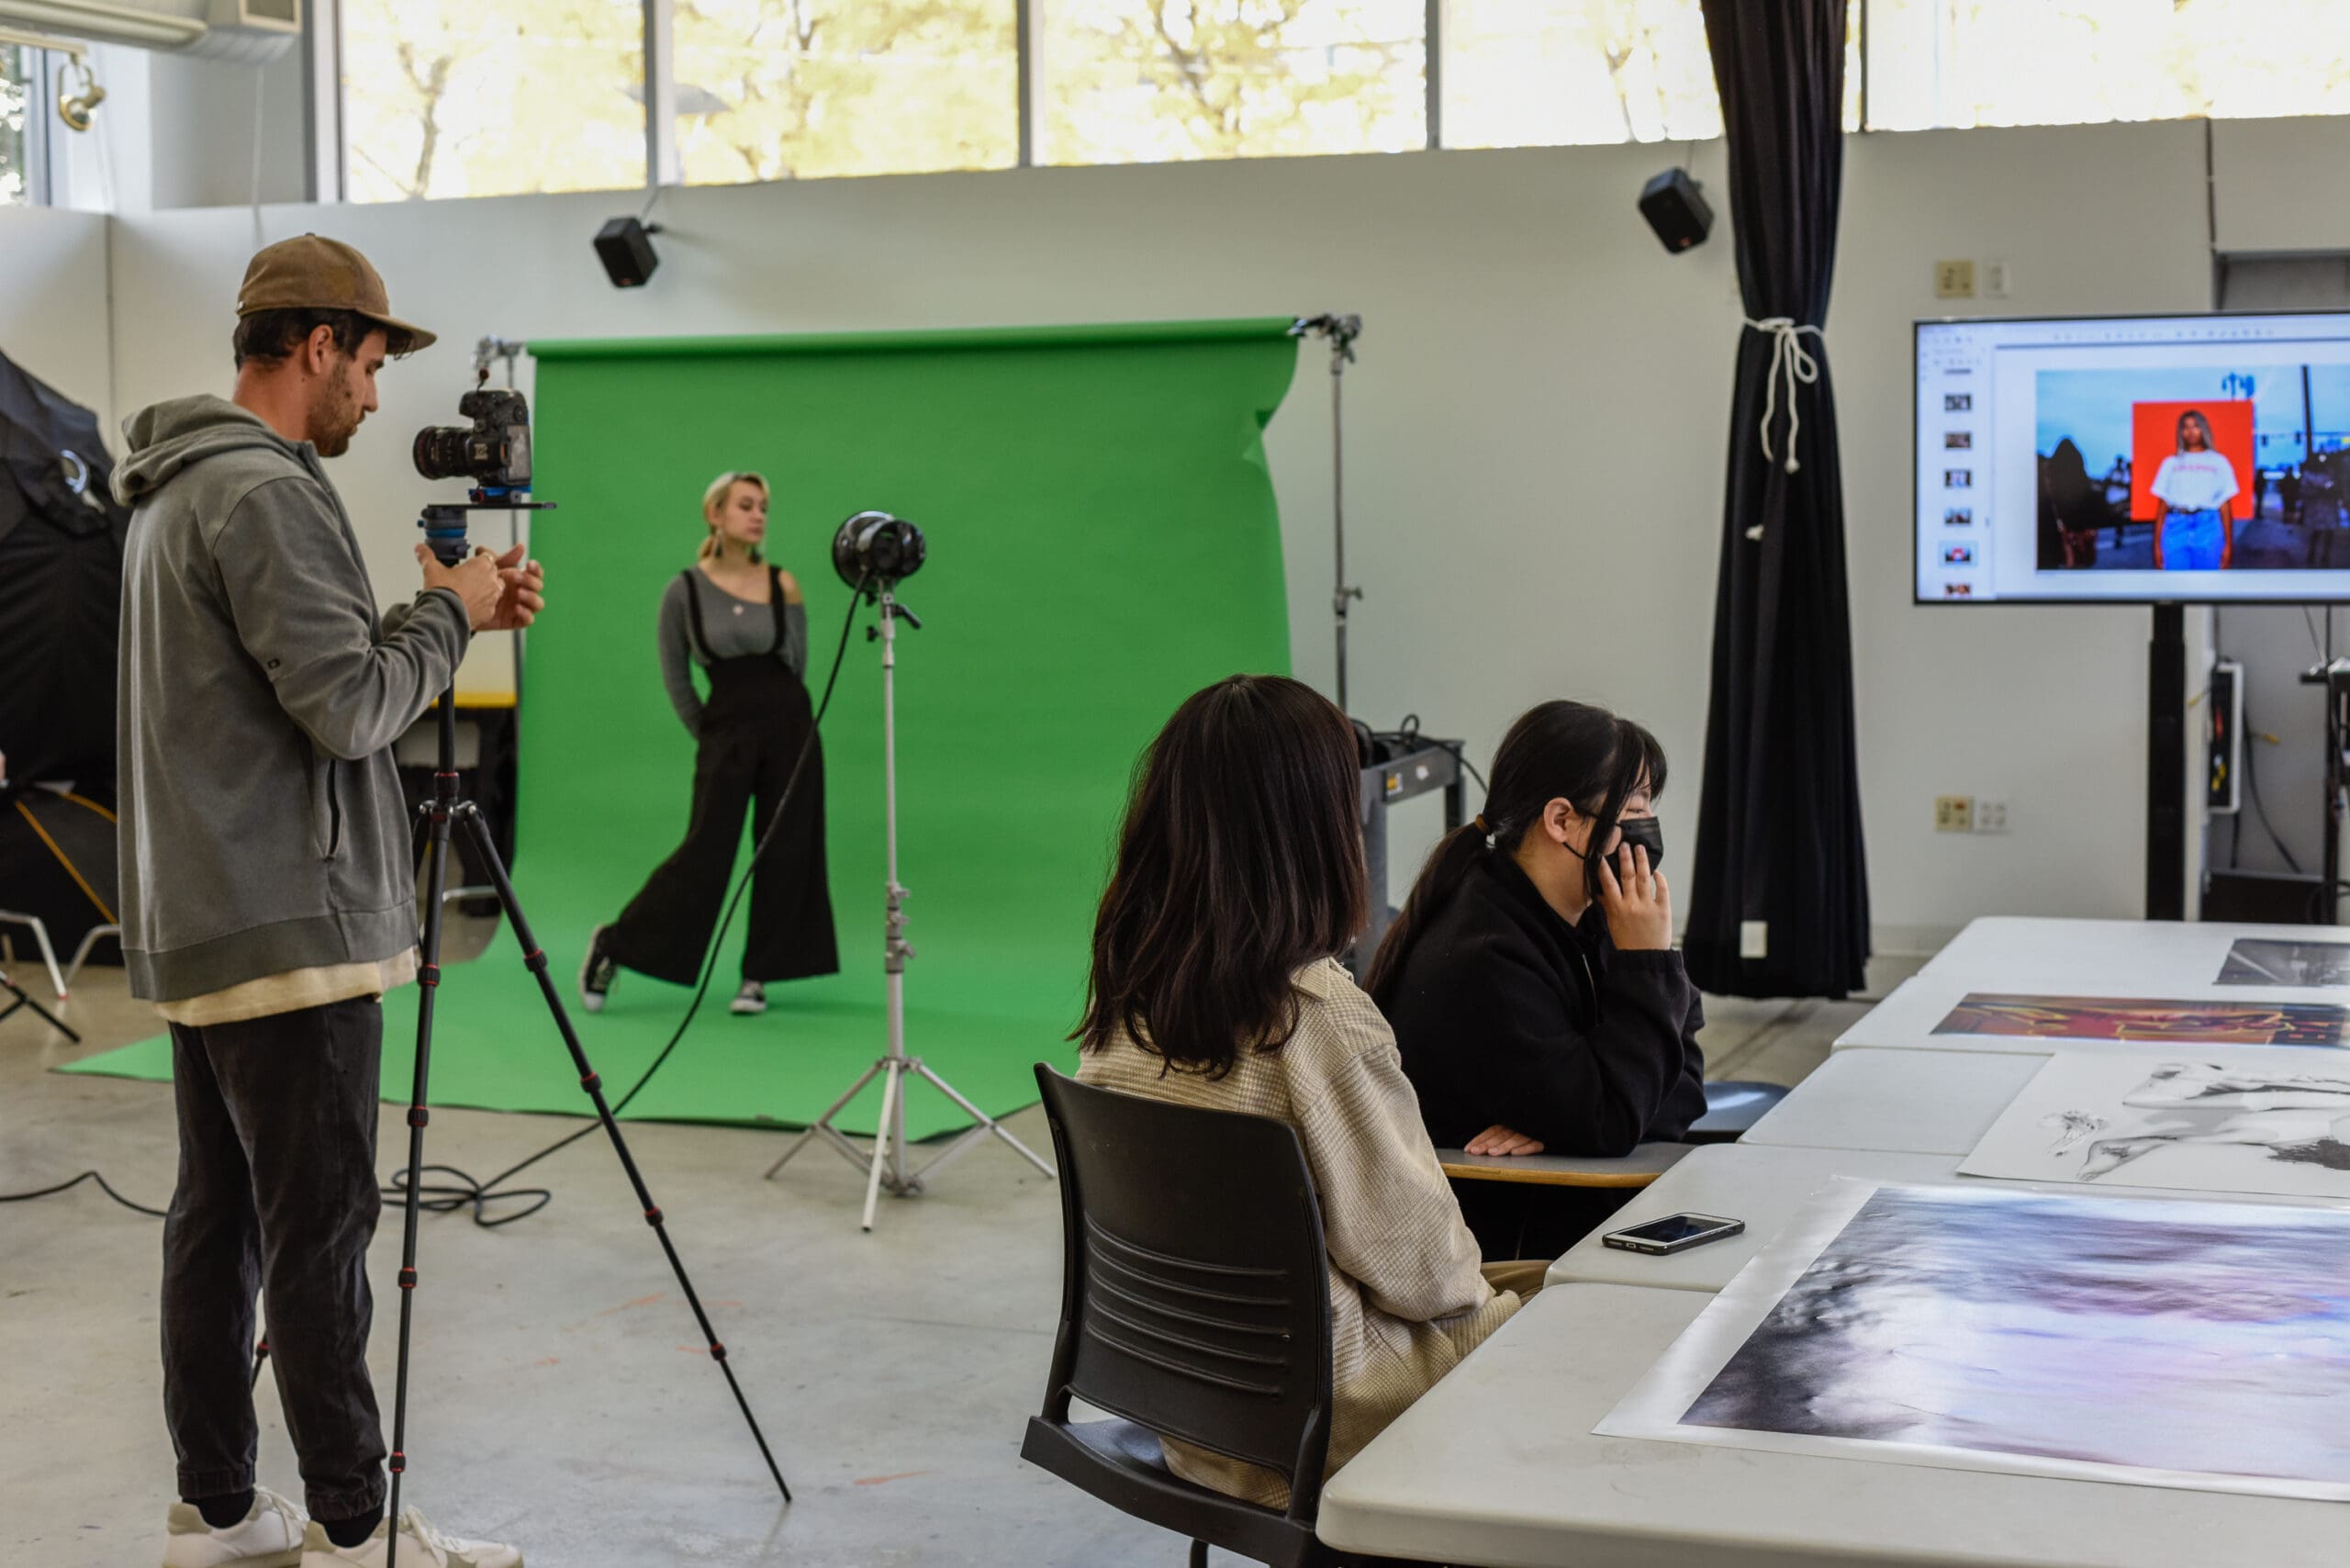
90 939
41 937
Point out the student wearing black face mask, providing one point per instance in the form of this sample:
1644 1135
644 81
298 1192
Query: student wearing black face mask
1532 977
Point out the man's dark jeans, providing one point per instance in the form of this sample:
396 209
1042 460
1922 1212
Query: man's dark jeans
276 1193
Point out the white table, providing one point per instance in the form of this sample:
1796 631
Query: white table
1906 1019
2103 957
1497 1466
1914 1101
1763 1186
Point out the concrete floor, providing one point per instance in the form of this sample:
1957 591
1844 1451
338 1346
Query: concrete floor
561 1400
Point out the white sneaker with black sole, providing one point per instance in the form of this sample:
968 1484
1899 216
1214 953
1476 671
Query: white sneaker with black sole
269 1536
419 1545
596 971
751 998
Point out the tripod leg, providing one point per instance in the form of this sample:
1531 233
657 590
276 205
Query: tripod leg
985 1121
536 962
260 1356
428 977
823 1124
43 1014
892 1086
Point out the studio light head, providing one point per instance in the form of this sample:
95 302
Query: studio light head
876 551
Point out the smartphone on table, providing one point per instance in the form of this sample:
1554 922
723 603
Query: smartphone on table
1674 1233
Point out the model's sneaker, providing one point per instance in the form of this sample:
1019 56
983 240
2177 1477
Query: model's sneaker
596 971
269 1536
751 998
419 1545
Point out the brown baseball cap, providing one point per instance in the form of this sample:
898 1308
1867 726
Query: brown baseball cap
317 274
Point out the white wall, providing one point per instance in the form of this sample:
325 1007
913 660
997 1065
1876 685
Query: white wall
53 312
1535 431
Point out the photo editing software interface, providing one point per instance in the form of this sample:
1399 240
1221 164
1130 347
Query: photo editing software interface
2190 458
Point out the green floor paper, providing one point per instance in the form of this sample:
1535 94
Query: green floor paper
1103 540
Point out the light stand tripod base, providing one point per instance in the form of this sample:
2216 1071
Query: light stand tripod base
885 1163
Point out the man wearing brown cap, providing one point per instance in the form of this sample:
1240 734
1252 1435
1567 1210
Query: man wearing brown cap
268 897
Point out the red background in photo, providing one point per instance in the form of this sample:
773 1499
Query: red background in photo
2153 435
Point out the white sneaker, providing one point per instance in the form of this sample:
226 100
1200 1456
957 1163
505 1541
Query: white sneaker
269 1536
597 971
419 1545
751 998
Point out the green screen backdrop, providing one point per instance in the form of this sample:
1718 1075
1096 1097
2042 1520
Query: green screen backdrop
1103 540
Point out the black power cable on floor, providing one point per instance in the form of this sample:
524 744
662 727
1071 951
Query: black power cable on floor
462 1191
104 1186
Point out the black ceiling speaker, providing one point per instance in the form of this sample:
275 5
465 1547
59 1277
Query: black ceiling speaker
1676 207
625 247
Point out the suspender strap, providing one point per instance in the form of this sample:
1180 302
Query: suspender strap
693 609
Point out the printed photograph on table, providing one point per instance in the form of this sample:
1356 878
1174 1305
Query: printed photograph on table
2255 961
2246 1122
2152 1341
2148 1019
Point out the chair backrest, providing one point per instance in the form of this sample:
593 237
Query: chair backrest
1195 1295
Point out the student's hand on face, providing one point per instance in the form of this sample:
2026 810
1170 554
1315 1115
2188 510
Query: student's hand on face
1638 903
1499 1139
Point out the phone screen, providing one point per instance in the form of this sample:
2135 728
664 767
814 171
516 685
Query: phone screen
1674 1228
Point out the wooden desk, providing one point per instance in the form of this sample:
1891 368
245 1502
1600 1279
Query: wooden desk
1640 1167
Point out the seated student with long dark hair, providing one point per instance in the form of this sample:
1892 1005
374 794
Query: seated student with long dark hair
1215 982
1532 977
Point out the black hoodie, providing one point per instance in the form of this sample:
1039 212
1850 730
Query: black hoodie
1506 1014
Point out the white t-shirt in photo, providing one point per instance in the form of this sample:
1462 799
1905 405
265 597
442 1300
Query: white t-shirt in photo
2195 481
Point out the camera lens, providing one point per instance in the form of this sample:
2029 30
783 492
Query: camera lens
441 453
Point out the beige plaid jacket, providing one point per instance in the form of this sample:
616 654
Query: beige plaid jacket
1406 1299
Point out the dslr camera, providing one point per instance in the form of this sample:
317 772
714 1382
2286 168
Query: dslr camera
494 452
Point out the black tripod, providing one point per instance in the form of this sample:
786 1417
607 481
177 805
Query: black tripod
445 530
23 1002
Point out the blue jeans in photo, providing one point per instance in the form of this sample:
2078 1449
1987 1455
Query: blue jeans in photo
2192 541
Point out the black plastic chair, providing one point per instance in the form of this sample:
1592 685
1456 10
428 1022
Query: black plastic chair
1195 1301
1732 1107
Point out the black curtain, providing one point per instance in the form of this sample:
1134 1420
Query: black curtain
1779 851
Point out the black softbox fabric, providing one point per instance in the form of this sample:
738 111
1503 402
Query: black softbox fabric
60 588
1779 824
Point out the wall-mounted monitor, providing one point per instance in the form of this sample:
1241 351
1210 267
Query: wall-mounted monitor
2192 459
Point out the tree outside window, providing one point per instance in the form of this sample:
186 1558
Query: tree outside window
491 97
803 89
1153 81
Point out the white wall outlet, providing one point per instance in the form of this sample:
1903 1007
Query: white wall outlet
1990 815
1998 278
1954 814
1954 280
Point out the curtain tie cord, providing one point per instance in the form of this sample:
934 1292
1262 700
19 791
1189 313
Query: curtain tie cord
1792 363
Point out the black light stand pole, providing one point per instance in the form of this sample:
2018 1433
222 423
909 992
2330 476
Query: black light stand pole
24 999
2166 766
445 530
1341 332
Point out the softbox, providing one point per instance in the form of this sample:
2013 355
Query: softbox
60 588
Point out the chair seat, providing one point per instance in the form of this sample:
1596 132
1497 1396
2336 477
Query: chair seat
1733 1106
1123 1465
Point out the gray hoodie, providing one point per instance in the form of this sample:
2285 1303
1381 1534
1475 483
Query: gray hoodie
264 828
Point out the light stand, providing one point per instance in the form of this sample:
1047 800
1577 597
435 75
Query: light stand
1341 332
44 1015
885 1163
445 530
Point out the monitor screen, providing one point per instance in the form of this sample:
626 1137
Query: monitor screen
2136 459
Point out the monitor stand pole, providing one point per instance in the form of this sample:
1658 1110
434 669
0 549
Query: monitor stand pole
2166 766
